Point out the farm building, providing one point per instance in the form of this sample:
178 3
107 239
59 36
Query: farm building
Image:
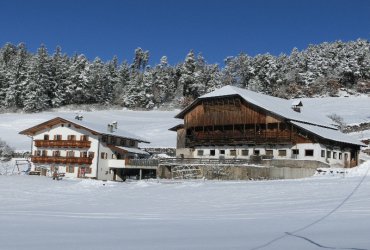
77 148
234 123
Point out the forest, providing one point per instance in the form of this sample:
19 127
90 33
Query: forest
33 82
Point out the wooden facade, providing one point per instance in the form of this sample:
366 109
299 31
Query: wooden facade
232 121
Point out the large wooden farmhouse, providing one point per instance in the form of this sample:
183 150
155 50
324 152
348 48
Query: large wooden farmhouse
236 123
78 148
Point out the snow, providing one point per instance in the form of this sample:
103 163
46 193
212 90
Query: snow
151 125
39 213
276 105
101 128
134 150
354 110
331 134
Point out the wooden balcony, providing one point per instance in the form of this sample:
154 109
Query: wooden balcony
62 144
61 160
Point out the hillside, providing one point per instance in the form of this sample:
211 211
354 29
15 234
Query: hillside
41 81
154 125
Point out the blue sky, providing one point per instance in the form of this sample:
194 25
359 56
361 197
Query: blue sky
215 28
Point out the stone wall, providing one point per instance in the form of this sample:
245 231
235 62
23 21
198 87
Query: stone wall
269 169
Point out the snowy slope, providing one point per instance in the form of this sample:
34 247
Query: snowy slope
154 125
37 213
353 110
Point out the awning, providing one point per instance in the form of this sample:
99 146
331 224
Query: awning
133 150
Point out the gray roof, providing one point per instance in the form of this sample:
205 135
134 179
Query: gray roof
309 120
133 150
101 128
278 106
327 133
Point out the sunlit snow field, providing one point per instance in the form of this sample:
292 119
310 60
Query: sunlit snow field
39 213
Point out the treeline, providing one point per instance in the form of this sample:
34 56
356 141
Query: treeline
36 82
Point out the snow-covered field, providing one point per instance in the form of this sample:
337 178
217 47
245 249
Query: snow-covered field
39 213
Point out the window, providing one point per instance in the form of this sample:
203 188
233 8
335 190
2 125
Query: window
91 154
222 151
113 140
122 143
70 169
269 152
87 170
70 153
295 151
245 152
200 152
132 143
282 152
334 155
322 153
328 154
69 125
102 154
84 138
37 153
58 137
83 154
71 137
212 152
233 152
46 137
56 153
256 152
340 156
308 152
44 153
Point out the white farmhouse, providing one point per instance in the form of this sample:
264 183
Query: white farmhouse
81 149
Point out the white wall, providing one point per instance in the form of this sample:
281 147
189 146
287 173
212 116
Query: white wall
65 131
302 152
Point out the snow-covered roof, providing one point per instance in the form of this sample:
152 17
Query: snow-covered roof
278 106
101 128
327 133
133 150
297 103
96 126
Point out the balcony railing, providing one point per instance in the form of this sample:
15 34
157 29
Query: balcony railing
201 161
61 160
62 144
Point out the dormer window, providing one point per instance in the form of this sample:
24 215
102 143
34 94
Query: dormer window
297 105
46 137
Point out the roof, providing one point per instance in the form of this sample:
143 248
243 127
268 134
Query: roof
297 103
278 106
177 127
93 127
133 150
327 133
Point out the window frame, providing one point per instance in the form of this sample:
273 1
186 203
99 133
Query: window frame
306 154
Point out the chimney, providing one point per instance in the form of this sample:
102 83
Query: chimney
115 124
297 105
79 117
110 128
